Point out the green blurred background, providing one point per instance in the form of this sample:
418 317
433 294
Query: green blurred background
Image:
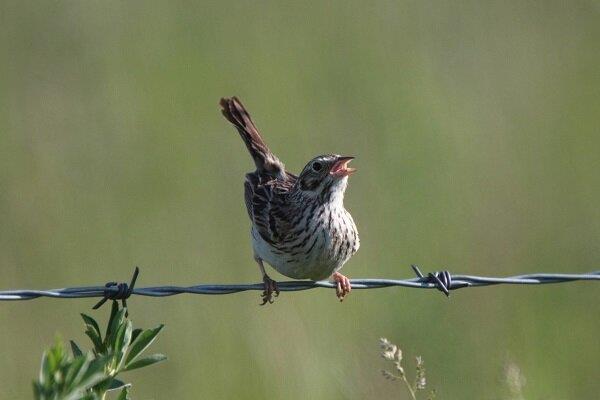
476 131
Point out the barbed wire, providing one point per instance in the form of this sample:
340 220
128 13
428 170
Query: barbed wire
443 281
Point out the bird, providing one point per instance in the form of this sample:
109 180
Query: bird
299 223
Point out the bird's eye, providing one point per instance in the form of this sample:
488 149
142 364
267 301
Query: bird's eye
317 166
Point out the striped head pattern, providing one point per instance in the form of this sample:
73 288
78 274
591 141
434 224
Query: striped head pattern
325 177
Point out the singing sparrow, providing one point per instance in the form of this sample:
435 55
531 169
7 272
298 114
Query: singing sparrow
299 223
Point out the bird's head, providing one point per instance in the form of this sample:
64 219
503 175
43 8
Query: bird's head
326 176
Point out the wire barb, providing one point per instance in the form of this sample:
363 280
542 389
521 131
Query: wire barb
122 293
442 281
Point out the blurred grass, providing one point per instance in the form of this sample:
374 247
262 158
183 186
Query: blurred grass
476 130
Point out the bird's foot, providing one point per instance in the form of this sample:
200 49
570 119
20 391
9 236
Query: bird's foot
270 290
343 286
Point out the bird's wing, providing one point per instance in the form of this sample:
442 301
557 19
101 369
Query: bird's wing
267 206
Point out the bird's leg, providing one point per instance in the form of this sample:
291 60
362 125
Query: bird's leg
343 286
270 285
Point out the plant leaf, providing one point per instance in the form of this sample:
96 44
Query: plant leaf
135 334
95 372
38 390
75 371
96 340
75 349
122 340
113 326
143 362
89 396
44 370
124 395
114 309
141 343
91 322
117 384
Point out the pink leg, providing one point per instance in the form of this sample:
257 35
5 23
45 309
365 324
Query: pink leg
343 286
270 285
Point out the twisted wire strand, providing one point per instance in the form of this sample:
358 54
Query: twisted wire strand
451 282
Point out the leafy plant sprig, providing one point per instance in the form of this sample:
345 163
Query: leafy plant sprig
393 353
91 375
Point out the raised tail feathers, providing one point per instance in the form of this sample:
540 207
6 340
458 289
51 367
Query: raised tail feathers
235 112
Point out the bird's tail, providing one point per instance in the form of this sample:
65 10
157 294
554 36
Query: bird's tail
234 111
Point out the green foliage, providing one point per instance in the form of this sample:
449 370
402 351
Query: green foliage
91 375
65 377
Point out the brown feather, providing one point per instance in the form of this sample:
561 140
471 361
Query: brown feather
235 112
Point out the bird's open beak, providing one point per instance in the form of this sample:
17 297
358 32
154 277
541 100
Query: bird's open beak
340 167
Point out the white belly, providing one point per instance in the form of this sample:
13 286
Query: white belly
315 258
